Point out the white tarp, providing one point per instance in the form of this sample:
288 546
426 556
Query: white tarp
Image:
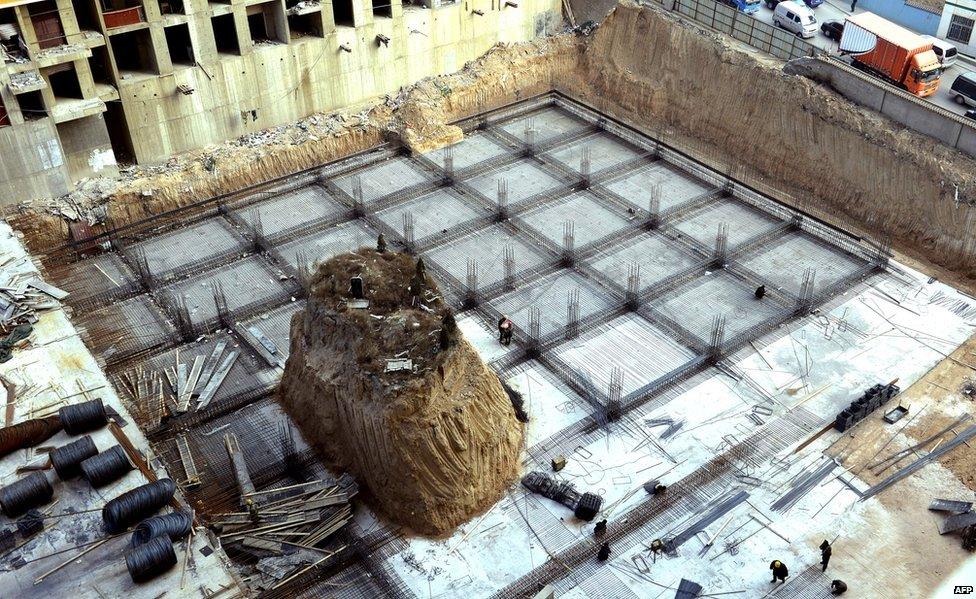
856 39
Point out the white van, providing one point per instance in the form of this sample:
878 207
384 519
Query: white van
945 51
795 17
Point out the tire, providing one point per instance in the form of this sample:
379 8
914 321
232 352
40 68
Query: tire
776 23
960 100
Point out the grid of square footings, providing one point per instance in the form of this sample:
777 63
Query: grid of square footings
454 225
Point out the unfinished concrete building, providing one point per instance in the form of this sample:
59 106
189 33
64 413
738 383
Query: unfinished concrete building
88 83
721 358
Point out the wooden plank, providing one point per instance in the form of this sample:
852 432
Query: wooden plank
240 466
218 378
189 466
58 294
191 383
210 365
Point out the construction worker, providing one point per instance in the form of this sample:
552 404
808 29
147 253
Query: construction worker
825 551
760 292
600 529
657 546
838 587
779 570
604 553
505 329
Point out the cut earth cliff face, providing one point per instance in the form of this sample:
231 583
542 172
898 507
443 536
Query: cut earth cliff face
434 445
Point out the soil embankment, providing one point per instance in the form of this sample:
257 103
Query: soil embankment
724 102
435 445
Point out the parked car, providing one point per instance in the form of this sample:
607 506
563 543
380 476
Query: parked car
771 4
747 6
945 51
963 89
832 29
793 16
971 114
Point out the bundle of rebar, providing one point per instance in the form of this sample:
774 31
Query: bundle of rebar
303 516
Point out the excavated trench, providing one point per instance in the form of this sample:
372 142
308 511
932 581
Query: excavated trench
719 101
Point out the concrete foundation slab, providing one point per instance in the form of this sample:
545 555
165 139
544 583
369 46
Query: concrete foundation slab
244 283
110 329
384 178
97 276
434 213
276 325
743 221
548 123
526 178
487 248
210 239
694 305
606 151
473 149
332 241
591 219
676 186
655 256
551 295
629 342
303 207
785 262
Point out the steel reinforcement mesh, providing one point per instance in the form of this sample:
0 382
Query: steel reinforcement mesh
547 211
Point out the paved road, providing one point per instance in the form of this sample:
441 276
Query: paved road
833 9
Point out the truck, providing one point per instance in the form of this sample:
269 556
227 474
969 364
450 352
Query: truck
891 52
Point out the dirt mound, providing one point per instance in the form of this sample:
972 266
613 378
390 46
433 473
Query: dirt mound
436 444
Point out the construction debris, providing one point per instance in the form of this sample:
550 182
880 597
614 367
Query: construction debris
873 398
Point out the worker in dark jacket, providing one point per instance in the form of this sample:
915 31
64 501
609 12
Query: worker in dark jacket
838 587
825 551
779 570
505 329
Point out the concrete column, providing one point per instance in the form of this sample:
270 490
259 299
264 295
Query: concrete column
243 31
159 49
328 18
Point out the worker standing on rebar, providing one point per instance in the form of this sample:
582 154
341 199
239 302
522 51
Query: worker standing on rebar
825 551
505 329
780 572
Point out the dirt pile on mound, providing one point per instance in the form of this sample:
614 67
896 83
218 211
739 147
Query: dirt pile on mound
435 444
